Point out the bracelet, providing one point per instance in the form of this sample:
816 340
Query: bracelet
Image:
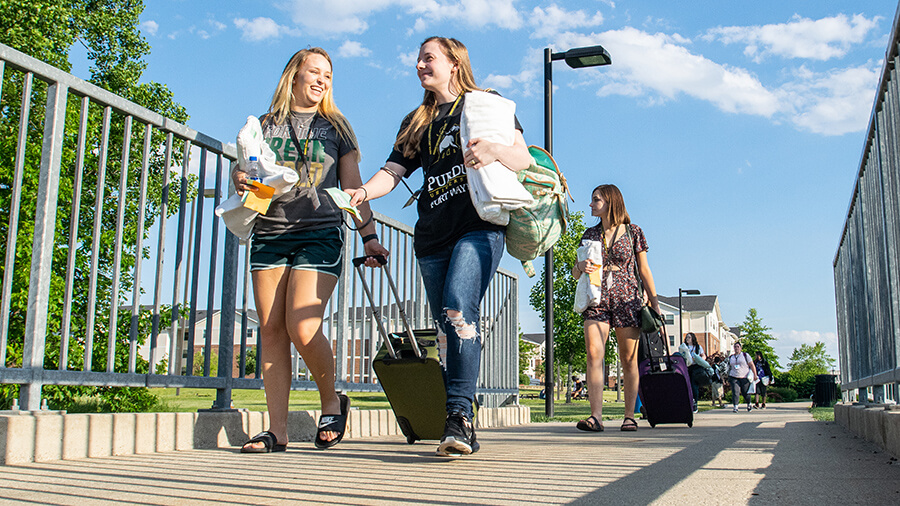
367 238
363 188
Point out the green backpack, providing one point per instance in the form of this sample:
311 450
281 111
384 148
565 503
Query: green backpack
534 229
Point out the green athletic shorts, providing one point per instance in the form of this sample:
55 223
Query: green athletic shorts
308 250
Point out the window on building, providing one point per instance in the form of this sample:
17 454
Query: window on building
670 319
671 341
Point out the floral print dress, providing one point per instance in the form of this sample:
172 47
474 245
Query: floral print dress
620 300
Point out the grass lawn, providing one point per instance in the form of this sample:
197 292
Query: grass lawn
579 409
822 414
192 399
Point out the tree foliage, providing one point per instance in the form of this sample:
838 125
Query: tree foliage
568 326
108 31
805 363
755 337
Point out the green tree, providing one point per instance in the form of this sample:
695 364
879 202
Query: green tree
108 30
755 337
805 363
526 352
568 326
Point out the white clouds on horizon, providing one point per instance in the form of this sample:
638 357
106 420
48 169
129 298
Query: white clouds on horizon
261 28
820 39
787 341
549 21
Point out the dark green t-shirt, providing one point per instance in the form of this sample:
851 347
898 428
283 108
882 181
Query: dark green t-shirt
294 210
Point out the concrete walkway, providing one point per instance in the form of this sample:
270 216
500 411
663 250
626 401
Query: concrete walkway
775 456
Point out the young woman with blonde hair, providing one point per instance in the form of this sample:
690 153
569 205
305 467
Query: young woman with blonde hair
297 245
458 253
624 251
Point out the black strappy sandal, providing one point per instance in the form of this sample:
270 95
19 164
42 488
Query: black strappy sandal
629 425
590 424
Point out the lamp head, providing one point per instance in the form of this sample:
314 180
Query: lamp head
592 56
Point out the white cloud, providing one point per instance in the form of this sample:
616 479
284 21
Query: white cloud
660 68
409 59
336 17
218 26
820 39
526 83
353 49
786 342
150 27
552 20
262 28
832 103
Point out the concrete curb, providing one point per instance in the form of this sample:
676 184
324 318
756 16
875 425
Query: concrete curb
38 436
876 423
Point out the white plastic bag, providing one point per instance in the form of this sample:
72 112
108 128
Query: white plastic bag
495 190
685 352
250 142
587 294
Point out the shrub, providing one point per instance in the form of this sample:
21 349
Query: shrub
782 394
524 379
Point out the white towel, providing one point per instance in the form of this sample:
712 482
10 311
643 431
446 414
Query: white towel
250 142
495 190
586 294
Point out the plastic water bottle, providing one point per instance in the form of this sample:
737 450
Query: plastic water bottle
253 170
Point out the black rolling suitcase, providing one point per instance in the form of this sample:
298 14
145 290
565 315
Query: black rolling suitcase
665 387
409 371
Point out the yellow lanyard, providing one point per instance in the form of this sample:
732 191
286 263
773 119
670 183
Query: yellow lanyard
443 128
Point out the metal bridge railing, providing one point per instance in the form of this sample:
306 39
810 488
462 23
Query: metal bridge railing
867 262
117 273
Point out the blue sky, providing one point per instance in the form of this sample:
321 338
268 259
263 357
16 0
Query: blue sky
734 129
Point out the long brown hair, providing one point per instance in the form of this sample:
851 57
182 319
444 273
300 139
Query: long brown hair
283 97
613 197
464 81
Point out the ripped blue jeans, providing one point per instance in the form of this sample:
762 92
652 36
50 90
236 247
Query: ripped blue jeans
456 281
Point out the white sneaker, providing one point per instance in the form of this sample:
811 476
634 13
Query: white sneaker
735 410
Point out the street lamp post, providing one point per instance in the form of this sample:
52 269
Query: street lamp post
575 58
680 321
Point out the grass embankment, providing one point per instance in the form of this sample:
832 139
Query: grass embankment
192 399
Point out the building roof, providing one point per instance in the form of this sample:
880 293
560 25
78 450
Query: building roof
692 303
534 338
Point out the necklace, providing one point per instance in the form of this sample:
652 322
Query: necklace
433 150
304 159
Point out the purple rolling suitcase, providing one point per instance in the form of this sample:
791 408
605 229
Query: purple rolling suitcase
665 387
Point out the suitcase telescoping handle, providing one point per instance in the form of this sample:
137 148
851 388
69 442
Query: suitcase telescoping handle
358 263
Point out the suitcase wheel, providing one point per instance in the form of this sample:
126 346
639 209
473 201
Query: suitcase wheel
652 425
690 424
407 430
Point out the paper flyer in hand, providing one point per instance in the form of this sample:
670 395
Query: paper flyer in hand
260 199
342 200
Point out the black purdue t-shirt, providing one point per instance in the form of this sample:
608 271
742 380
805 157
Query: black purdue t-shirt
445 207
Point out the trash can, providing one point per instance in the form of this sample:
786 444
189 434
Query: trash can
826 391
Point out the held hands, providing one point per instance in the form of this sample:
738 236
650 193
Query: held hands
357 197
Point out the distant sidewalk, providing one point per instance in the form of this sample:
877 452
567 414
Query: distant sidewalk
775 456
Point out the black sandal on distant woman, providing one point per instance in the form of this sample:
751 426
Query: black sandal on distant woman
591 424
629 425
